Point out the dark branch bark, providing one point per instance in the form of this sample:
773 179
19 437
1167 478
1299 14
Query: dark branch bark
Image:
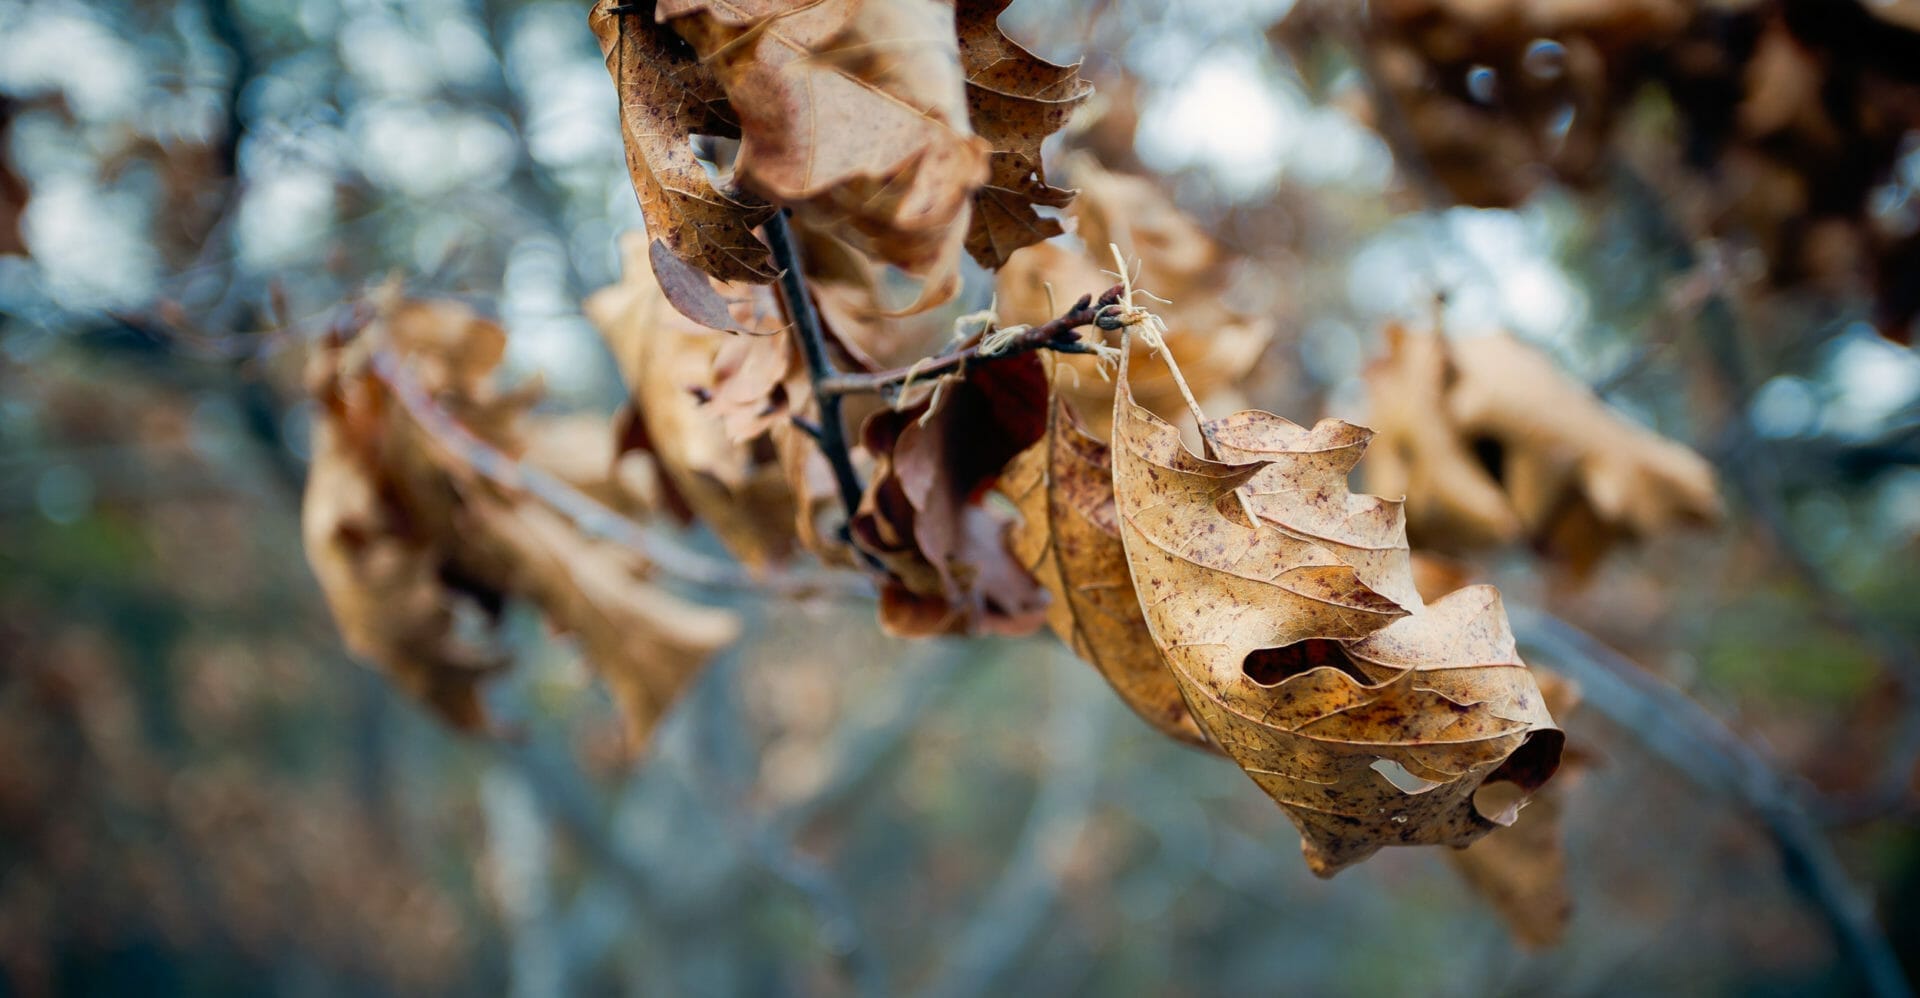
831 431
1058 334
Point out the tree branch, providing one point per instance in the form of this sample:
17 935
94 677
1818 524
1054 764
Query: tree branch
1058 334
1750 463
472 455
1712 757
831 431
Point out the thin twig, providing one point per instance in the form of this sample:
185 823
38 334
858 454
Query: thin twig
1058 334
1703 750
832 433
468 453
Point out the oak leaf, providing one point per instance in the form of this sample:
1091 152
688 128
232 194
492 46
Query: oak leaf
1015 100
646 643
1521 870
666 97
924 515
1068 538
852 113
411 513
1371 721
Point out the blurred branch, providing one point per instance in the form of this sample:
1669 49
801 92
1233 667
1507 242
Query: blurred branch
1010 917
1750 464
1710 756
469 454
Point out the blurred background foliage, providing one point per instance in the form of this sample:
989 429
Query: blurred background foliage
202 794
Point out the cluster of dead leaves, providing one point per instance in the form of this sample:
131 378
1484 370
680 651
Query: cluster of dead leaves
1237 596
1496 97
910 128
420 524
1794 114
1491 443
1246 601
1799 119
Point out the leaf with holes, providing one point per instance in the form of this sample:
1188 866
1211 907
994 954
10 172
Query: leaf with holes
666 98
1370 720
1522 870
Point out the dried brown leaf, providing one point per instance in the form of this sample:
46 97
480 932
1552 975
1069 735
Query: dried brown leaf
668 362
924 514
1014 100
1329 693
646 643
666 97
1521 870
411 514
1490 441
1069 540
853 113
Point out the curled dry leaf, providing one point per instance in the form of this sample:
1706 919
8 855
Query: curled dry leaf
924 515
1490 442
1215 345
666 97
1521 870
854 114
414 510
387 586
1422 455
1370 720
668 362
1068 538
1014 100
